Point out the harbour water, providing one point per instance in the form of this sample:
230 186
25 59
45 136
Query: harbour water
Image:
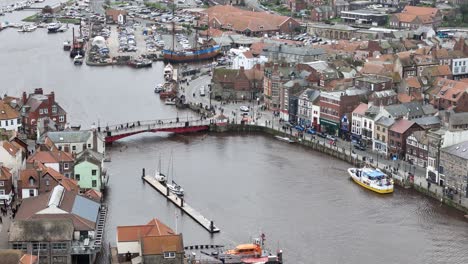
248 184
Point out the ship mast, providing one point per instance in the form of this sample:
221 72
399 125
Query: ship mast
173 29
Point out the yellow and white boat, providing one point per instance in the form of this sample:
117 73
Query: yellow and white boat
372 179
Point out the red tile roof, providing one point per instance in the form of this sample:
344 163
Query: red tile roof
28 259
241 20
5 173
413 82
400 126
7 112
361 109
50 157
10 148
134 233
420 10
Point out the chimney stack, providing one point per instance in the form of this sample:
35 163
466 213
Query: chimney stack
24 97
51 97
38 91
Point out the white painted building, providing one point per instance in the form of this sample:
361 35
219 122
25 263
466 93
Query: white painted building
12 155
357 120
9 117
459 68
75 141
247 60
305 107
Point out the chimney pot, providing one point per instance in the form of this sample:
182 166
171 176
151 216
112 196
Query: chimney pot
38 91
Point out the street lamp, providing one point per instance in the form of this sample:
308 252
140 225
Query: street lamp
209 90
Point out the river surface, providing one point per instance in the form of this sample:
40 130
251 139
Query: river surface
248 184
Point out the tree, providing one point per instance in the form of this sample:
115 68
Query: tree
47 10
464 12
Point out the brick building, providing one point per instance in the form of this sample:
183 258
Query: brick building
6 185
321 13
398 134
413 17
39 108
417 148
155 242
449 94
386 97
334 106
241 84
373 83
249 22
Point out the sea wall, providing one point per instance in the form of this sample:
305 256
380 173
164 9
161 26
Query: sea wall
342 154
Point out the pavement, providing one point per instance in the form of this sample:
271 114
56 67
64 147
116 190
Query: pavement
4 231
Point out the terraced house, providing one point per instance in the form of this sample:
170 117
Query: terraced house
41 110
412 17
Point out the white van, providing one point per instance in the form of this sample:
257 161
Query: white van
202 91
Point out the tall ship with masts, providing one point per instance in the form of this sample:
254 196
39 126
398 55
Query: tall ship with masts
207 50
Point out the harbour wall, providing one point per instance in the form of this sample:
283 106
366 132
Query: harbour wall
400 179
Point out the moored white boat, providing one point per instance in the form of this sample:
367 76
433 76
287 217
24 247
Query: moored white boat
169 102
54 27
372 179
159 88
175 188
78 60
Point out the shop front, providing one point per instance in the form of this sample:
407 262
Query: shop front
330 127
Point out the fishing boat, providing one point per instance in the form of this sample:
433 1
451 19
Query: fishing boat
140 63
372 179
27 28
169 102
253 253
78 60
168 72
77 47
54 27
285 139
66 45
159 88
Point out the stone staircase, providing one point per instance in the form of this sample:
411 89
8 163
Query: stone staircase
100 226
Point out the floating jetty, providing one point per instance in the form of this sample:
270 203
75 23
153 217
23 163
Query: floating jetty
179 202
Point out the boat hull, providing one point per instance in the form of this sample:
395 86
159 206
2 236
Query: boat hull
362 184
182 57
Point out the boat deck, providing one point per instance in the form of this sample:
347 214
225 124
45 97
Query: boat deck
177 201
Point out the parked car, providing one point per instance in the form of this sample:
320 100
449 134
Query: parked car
244 108
311 131
299 128
359 147
322 135
330 137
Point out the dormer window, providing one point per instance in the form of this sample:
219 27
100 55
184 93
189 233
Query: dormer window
31 181
54 109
